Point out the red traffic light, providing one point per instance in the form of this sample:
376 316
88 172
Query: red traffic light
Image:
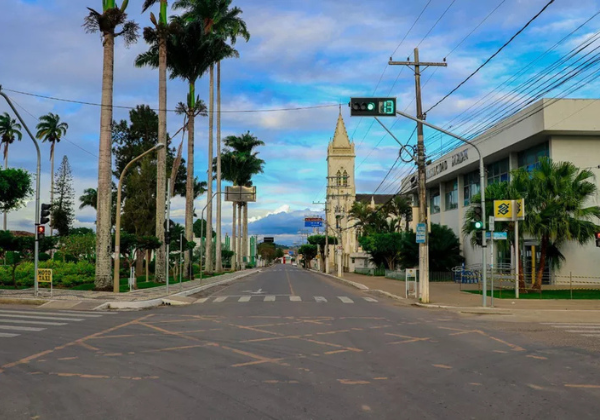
41 230
597 235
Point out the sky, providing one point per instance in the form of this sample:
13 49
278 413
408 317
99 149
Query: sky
305 53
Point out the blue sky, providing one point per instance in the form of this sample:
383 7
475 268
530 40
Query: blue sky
303 53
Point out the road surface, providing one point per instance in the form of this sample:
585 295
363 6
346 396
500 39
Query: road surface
290 344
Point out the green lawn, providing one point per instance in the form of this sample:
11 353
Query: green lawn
546 294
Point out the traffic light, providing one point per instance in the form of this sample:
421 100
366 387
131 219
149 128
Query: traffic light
45 214
372 107
598 239
477 217
41 231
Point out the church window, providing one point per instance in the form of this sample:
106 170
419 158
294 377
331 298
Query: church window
345 179
338 178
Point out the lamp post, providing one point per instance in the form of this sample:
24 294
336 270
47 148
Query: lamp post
482 188
118 216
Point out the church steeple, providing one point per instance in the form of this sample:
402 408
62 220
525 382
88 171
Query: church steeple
340 138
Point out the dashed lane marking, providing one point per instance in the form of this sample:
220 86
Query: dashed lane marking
345 299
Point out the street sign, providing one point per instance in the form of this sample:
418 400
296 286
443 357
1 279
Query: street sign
313 222
421 233
500 236
268 240
491 226
372 107
509 210
240 194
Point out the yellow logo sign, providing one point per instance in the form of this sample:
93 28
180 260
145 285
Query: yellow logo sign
509 210
44 275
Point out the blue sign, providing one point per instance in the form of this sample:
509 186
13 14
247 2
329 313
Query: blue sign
498 236
313 222
421 233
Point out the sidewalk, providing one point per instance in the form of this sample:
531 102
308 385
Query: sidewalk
449 294
80 299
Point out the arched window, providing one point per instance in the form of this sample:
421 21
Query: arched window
338 178
345 179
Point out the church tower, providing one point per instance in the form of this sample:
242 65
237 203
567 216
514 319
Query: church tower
341 191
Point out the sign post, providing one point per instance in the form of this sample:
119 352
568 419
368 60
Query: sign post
411 277
512 210
44 275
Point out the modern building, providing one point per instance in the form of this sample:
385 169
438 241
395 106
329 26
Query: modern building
564 130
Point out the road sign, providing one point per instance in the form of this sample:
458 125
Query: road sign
372 107
421 233
268 240
313 222
509 210
45 276
491 225
500 236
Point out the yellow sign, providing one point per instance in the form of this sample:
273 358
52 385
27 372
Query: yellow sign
44 275
509 210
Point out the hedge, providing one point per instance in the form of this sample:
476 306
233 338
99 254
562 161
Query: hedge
64 274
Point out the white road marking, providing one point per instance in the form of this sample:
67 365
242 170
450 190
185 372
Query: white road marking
19 321
85 312
48 318
48 313
345 299
577 326
270 298
295 299
8 335
220 299
202 300
244 299
591 335
17 328
370 299
560 324
320 299
579 331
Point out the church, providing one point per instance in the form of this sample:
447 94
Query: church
341 195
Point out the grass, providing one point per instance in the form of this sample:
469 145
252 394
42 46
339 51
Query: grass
546 294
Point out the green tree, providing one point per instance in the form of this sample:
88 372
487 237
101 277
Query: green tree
81 231
200 228
278 253
320 240
62 207
444 249
10 130
80 246
15 187
400 208
107 23
308 252
383 247
51 130
266 251
148 244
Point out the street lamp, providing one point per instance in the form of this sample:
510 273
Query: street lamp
118 218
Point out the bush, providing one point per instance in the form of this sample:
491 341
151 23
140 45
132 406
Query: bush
64 274
43 256
59 256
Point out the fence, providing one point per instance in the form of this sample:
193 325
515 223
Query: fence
380 272
434 276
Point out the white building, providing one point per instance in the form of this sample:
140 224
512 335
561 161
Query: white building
564 130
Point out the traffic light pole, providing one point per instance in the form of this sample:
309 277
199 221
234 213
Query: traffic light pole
168 228
37 192
482 188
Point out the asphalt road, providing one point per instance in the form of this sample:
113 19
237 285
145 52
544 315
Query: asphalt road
286 344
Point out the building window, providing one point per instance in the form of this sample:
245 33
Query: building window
530 158
471 186
498 172
451 191
435 201
345 179
338 178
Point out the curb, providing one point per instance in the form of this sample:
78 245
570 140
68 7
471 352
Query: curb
388 294
22 301
145 304
466 309
359 286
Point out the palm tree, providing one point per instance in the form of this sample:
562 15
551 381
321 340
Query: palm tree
399 207
106 23
10 130
50 129
361 213
161 31
89 198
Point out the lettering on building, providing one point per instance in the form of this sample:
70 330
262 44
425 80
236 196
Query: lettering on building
437 169
460 157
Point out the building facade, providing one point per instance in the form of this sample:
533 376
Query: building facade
563 130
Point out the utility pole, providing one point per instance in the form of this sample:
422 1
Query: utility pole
424 247
326 250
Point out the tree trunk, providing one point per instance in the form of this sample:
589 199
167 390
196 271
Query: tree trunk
239 238
5 167
148 256
103 280
245 244
161 163
189 188
218 262
52 181
211 100
234 238
139 262
540 273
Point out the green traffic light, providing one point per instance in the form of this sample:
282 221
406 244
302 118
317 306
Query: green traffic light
371 106
478 225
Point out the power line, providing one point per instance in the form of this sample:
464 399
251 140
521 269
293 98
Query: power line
492 56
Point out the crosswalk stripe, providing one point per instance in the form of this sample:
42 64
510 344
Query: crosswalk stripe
20 321
370 299
202 300
220 299
558 324
8 335
48 313
591 335
345 299
576 326
244 299
41 317
18 328
295 299
320 299
85 312
579 331
270 298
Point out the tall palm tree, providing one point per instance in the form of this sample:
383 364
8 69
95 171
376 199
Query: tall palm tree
107 23
399 207
51 129
161 31
10 130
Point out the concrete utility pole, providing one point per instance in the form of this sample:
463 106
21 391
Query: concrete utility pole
423 248
326 250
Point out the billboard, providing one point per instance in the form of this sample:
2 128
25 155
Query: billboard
313 222
240 194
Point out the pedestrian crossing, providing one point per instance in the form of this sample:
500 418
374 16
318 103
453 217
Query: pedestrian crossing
582 329
283 298
15 323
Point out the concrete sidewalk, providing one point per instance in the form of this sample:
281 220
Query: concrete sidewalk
449 294
143 298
